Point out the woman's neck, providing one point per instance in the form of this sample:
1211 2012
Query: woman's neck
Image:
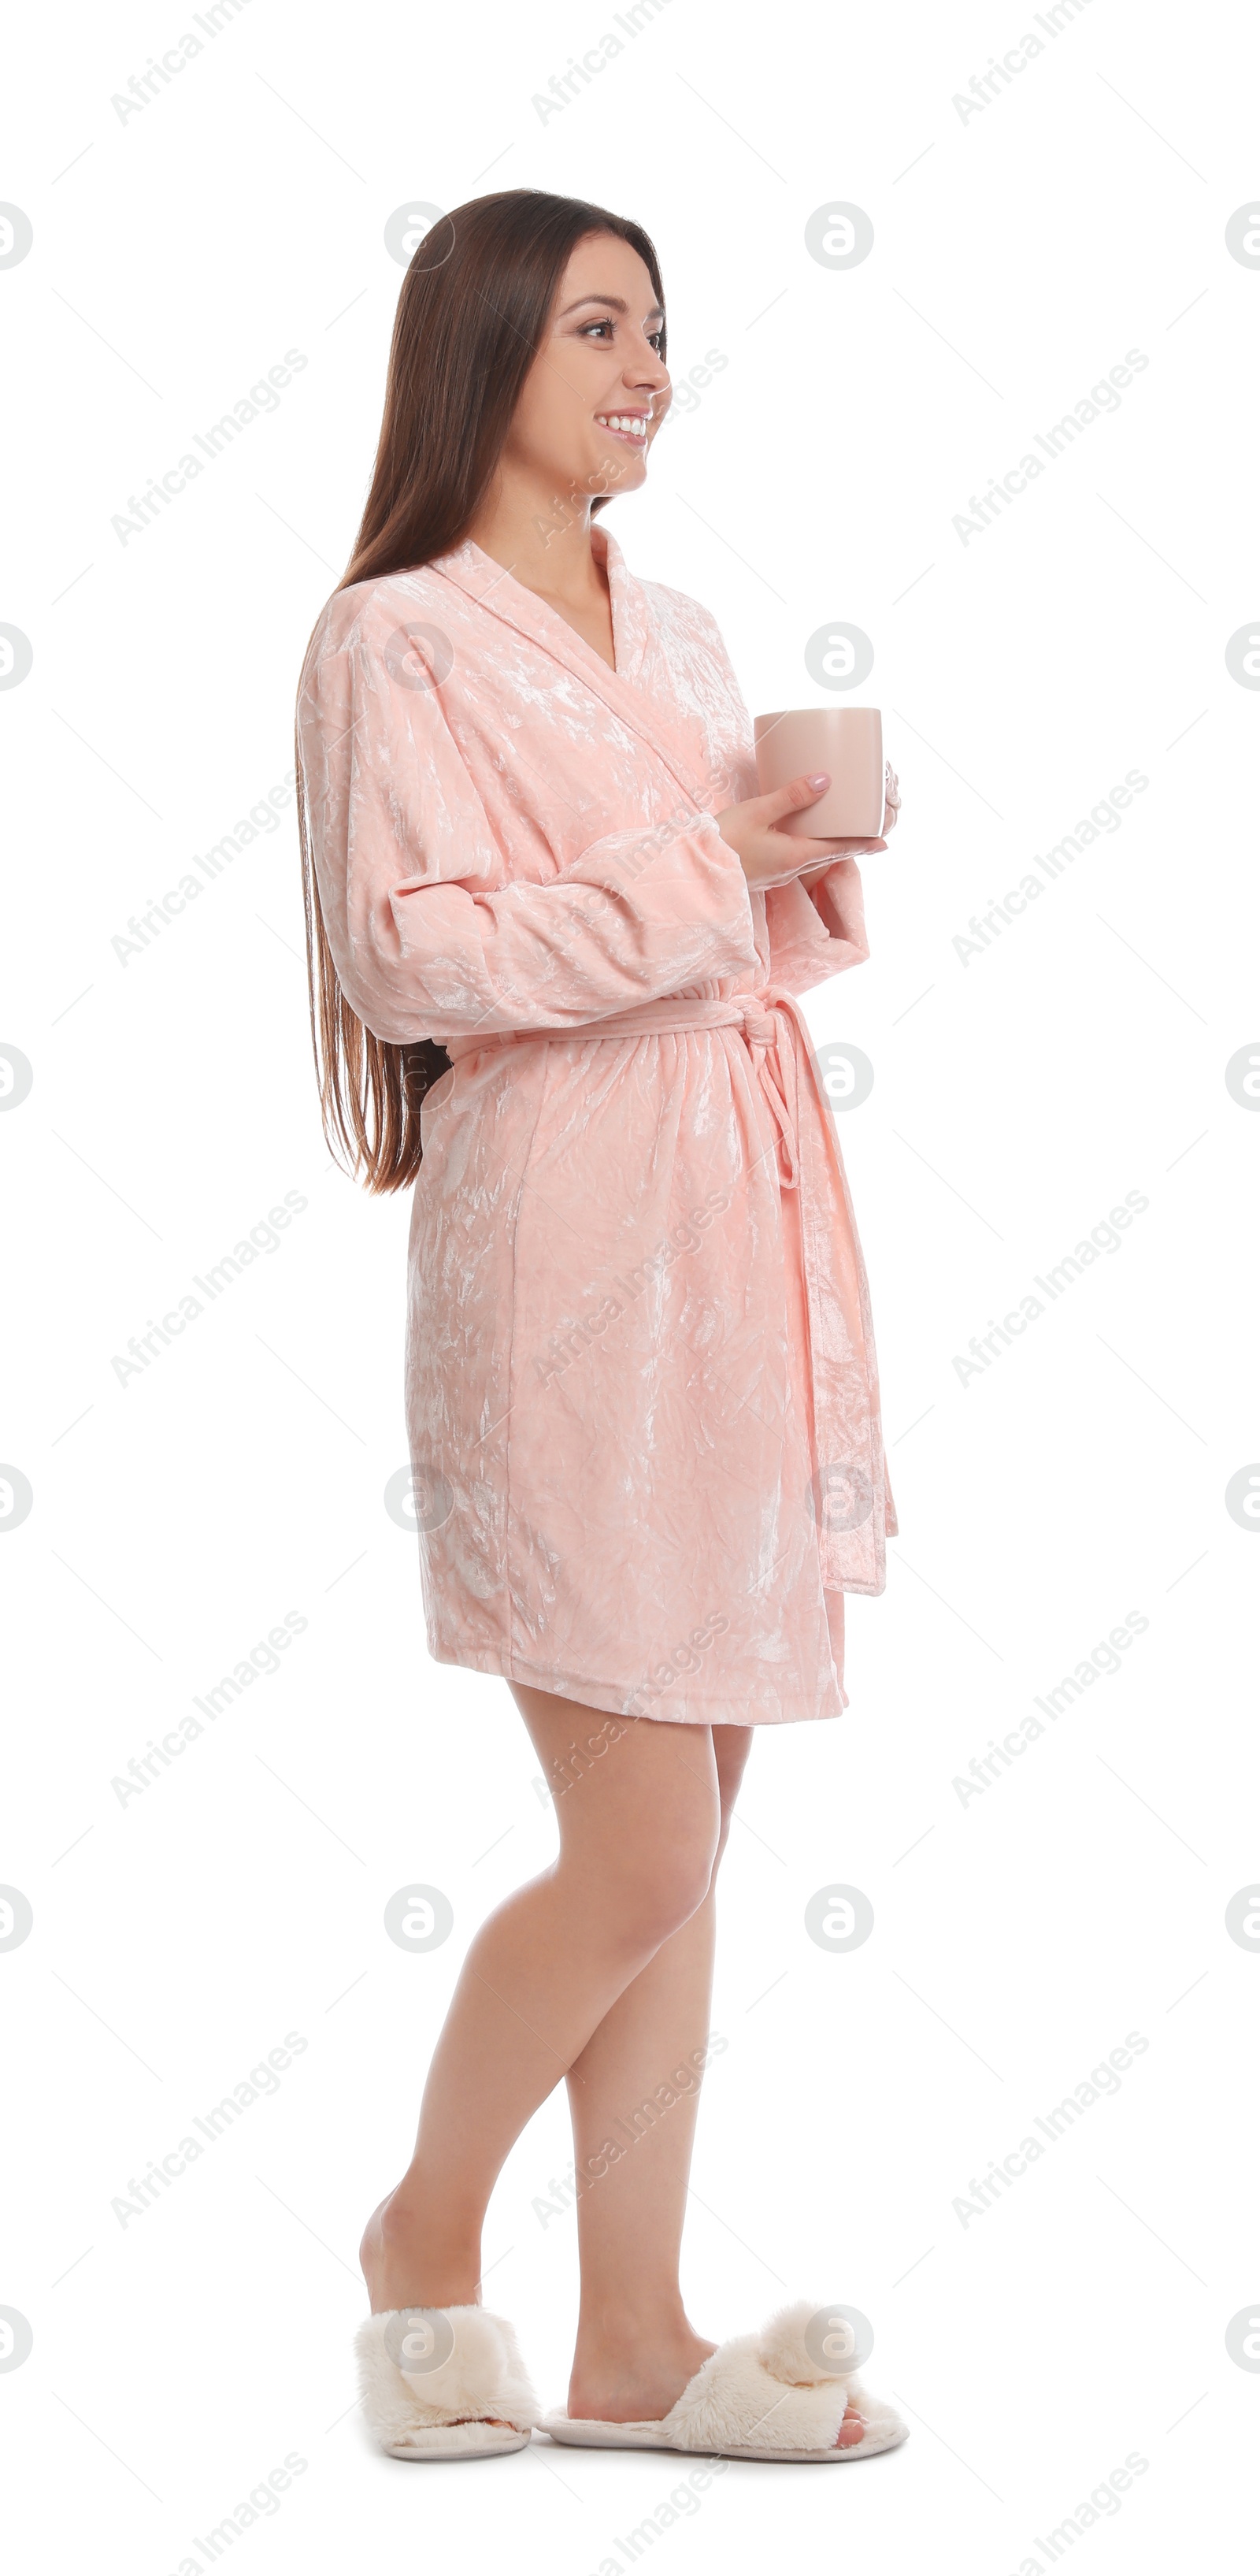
546 545
544 542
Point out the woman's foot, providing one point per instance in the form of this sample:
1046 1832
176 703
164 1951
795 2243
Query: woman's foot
637 2382
634 2379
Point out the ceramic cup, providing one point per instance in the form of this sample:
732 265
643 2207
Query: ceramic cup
848 741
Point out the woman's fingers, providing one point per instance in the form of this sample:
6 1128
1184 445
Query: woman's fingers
790 799
771 856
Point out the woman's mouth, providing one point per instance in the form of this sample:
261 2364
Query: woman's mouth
629 426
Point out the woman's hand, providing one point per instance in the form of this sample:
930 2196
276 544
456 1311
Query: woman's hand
770 857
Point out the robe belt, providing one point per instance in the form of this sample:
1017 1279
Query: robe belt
763 1019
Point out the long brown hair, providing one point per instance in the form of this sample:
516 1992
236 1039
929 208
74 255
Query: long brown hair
471 318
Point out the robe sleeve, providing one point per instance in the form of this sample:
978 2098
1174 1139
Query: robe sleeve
427 939
814 931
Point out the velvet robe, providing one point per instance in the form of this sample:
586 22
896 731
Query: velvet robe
641 1385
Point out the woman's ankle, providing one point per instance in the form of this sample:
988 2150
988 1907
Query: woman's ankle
412 2257
633 2322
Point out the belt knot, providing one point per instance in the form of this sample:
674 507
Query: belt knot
760 1026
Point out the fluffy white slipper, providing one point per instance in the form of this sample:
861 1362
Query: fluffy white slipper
758 2397
444 2384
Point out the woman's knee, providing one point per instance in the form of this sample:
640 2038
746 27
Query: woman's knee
639 1831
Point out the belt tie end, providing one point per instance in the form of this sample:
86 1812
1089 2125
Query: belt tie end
761 1030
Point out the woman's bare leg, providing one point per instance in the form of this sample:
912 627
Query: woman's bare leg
638 1831
632 2146
626 1912
636 2349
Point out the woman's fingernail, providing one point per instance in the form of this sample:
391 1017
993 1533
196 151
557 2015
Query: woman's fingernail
821 779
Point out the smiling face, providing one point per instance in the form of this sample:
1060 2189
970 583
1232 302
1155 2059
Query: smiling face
598 389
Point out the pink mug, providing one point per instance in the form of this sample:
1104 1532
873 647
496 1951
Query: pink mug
847 741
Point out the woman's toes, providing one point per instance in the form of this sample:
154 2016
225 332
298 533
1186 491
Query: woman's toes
851 2430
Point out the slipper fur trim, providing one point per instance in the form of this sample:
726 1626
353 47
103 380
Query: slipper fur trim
484 2376
781 2346
757 2394
734 2403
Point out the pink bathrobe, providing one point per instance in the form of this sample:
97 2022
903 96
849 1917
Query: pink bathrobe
641 1383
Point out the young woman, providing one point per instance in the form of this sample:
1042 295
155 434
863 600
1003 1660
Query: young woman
556 939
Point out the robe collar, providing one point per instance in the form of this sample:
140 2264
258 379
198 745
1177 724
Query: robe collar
656 723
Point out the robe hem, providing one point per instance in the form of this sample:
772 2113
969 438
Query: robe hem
692 1711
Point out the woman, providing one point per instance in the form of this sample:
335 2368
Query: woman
555 935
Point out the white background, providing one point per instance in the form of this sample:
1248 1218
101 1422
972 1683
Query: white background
1018 1938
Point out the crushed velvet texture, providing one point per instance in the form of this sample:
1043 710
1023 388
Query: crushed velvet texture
641 1383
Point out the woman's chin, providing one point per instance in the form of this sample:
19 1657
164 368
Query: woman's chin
623 472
